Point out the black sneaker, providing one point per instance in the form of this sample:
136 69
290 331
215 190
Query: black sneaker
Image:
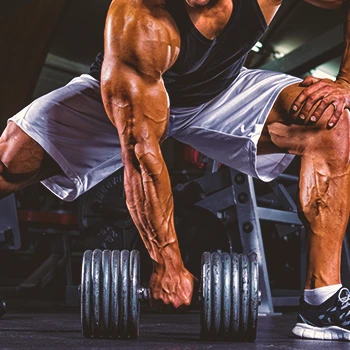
328 321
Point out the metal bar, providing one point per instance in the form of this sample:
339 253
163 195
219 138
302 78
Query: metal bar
64 65
210 182
288 177
43 270
218 201
51 273
287 217
283 196
67 255
9 222
313 53
250 231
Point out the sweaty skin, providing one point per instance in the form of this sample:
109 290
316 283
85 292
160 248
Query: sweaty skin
137 104
129 74
141 43
314 124
324 198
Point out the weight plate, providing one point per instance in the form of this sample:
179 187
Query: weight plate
236 297
245 295
205 318
96 292
254 297
134 304
114 311
216 285
104 220
226 296
85 295
106 292
124 294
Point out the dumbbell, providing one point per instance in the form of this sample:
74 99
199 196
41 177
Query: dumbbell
111 295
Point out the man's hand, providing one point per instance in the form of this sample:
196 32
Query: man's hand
318 96
172 287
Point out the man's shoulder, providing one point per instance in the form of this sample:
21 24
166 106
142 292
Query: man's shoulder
141 18
150 5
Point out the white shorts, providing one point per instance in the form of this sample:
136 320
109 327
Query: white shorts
72 126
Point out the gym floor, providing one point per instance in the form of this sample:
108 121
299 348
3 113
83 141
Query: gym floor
30 325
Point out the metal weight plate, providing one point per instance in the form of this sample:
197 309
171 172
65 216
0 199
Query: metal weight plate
85 295
236 296
226 296
254 297
205 319
106 292
134 304
104 220
124 294
216 285
114 311
96 292
245 295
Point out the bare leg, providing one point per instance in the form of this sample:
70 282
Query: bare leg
22 161
324 182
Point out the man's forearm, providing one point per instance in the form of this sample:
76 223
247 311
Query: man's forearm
150 202
344 73
139 110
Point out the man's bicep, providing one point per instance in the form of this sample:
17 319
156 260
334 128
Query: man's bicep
137 106
134 36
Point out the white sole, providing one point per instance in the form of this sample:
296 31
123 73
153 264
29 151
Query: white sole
303 330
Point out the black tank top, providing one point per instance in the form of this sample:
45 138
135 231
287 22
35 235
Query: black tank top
206 67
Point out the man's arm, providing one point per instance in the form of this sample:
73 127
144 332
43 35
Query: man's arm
325 92
141 42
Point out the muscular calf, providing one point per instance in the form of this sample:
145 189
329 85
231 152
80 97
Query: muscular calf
324 180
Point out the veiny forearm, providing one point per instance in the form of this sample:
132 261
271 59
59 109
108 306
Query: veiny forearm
344 73
139 110
150 202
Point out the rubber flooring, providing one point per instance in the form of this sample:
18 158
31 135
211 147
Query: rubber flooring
58 327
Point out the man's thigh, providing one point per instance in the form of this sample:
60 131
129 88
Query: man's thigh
228 128
70 124
282 113
22 161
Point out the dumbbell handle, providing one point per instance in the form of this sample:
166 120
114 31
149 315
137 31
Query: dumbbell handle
144 293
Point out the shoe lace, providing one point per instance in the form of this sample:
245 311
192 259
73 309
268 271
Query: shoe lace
345 298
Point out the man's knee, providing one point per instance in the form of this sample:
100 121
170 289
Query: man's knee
317 141
22 161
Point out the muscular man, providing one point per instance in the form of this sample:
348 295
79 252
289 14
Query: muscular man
174 68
